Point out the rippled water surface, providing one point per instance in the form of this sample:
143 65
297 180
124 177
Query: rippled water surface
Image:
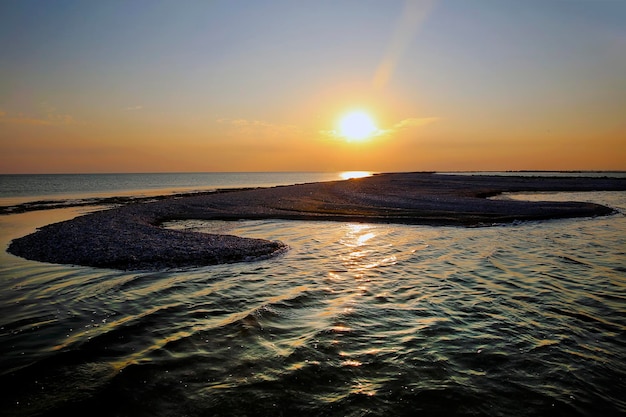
355 320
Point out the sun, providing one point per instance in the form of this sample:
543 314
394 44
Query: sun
357 126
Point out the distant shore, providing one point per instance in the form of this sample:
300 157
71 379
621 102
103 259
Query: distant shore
129 237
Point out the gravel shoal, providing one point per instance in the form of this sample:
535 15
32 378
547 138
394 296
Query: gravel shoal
129 237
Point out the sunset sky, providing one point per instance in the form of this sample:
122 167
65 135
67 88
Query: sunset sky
160 86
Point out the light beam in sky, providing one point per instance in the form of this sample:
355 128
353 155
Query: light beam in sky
413 15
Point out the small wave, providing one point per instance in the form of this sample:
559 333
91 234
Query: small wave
410 319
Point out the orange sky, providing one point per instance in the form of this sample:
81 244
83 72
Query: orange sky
452 85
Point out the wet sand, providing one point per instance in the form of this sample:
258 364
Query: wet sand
129 237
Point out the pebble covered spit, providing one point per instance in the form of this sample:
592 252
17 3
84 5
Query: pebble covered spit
130 238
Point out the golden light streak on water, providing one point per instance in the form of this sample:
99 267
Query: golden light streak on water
348 175
354 319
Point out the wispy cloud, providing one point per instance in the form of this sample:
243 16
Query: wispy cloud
413 122
50 119
259 128
335 134
133 108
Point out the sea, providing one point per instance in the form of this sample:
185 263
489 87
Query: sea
355 319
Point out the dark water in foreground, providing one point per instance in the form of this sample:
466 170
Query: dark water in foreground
355 320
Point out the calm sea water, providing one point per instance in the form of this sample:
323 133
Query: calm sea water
16 189
354 320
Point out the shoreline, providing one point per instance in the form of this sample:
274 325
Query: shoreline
128 237
123 197
113 201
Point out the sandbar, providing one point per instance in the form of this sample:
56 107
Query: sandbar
130 237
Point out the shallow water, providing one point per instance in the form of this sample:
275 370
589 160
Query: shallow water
356 319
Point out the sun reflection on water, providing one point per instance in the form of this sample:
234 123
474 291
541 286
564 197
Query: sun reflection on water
353 316
348 175
363 255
